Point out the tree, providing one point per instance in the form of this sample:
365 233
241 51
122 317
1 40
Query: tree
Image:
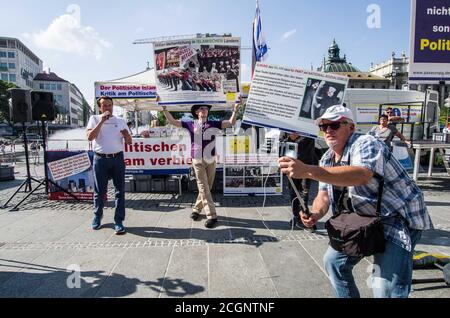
4 103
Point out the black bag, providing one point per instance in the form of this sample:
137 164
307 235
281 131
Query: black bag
355 234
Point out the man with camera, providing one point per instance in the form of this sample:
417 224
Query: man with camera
349 176
108 133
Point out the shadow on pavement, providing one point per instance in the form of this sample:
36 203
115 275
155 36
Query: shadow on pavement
61 283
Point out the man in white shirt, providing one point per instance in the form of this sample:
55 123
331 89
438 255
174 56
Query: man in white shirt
108 133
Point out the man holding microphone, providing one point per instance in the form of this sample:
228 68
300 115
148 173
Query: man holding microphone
108 134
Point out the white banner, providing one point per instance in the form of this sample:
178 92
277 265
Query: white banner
290 99
252 174
369 113
125 91
158 154
198 71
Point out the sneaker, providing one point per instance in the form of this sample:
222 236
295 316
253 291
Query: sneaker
195 216
119 229
210 223
97 222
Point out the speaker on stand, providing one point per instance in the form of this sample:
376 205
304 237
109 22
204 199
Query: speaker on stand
42 109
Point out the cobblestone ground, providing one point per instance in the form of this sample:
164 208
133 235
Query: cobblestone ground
252 253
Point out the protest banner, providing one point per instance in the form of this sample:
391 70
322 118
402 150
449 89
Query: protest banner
252 174
170 155
122 91
291 99
198 71
430 42
72 171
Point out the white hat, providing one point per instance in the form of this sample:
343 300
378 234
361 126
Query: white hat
336 113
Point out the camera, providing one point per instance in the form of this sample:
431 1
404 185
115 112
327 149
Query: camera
289 149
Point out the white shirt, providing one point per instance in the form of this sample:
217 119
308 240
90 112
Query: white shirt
110 138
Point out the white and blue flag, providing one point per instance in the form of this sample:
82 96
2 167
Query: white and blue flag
260 48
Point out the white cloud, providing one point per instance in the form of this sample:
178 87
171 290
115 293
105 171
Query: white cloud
66 34
288 34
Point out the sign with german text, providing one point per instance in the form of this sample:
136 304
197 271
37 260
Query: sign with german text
291 99
125 91
430 42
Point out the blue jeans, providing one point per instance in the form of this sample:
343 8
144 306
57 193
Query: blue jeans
392 271
105 169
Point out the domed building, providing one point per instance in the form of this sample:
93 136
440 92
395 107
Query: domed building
357 79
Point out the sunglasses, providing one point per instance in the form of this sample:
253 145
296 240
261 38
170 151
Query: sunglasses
333 126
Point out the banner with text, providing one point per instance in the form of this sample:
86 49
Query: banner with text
171 155
198 71
125 91
72 171
430 42
291 99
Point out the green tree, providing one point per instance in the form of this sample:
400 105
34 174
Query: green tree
4 103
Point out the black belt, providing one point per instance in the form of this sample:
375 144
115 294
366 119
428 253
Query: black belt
112 155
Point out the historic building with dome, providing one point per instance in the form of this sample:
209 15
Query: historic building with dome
357 79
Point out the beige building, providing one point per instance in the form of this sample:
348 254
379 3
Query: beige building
395 69
357 79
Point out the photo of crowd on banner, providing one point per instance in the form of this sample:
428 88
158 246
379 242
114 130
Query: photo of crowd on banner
319 96
209 69
252 177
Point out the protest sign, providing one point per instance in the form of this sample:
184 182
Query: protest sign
72 171
133 91
252 174
198 71
290 99
430 42
170 155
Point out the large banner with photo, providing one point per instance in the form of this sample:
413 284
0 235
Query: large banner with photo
72 171
430 42
196 71
252 174
291 99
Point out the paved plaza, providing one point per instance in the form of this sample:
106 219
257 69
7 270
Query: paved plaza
252 253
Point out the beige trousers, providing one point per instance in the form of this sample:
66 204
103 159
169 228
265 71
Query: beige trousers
205 174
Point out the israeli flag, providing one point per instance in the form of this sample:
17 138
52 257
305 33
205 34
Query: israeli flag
260 49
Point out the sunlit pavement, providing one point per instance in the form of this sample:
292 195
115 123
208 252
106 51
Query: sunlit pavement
47 248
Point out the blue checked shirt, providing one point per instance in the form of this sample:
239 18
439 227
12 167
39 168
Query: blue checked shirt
403 206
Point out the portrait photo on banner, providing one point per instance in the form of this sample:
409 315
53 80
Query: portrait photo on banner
319 96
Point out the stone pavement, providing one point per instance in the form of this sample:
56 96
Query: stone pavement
252 253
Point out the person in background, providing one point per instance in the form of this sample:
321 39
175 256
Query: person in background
108 134
305 153
386 132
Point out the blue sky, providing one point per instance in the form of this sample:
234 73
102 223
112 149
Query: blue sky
92 40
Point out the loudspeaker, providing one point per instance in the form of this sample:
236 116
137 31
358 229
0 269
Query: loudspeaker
43 106
20 107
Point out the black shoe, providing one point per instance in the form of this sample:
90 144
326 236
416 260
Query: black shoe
311 229
210 223
296 223
195 216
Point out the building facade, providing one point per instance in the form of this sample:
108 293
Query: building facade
395 69
18 65
68 99
357 79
